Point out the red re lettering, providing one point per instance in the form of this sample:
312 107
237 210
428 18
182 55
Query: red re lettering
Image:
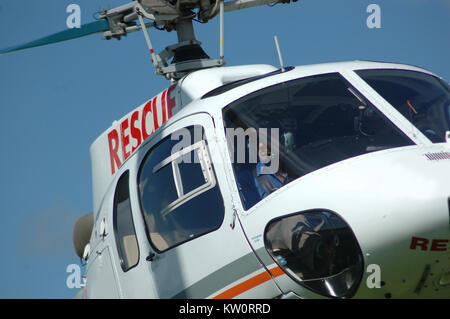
421 242
439 244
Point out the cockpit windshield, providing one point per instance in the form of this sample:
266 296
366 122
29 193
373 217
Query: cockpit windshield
422 98
282 132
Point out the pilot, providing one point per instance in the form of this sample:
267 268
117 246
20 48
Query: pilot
269 173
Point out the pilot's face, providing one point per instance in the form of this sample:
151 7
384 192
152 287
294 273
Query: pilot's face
268 153
264 154
267 148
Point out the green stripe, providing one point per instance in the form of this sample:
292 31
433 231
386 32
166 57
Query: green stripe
221 278
264 256
226 275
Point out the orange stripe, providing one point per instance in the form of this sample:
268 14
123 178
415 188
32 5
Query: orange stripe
249 284
276 271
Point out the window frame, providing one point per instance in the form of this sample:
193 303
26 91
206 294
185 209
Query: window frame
208 175
354 89
362 75
121 254
208 170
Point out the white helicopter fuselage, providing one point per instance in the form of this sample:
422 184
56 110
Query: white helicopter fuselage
395 201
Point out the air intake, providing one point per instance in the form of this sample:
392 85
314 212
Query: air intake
438 156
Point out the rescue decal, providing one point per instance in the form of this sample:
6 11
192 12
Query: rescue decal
125 137
250 283
429 244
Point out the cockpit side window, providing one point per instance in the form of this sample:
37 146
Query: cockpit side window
125 234
422 98
178 190
297 127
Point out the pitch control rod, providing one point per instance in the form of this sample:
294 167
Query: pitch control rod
147 39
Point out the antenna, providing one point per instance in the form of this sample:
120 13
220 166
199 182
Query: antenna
279 53
221 10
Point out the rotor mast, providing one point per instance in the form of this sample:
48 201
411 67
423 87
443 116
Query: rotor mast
177 15
187 55
171 15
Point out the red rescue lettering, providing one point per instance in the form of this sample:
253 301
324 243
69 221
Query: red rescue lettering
125 139
163 105
155 114
147 110
171 101
135 131
113 138
138 127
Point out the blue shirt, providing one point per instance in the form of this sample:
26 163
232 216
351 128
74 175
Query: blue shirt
251 189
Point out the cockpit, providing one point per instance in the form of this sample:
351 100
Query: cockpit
312 122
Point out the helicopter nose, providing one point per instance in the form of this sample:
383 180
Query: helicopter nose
412 255
388 216
408 236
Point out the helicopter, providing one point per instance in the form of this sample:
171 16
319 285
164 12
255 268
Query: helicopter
360 150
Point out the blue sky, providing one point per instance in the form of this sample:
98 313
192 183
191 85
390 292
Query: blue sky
56 100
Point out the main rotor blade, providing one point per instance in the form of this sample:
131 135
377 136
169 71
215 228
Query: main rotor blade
85 29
